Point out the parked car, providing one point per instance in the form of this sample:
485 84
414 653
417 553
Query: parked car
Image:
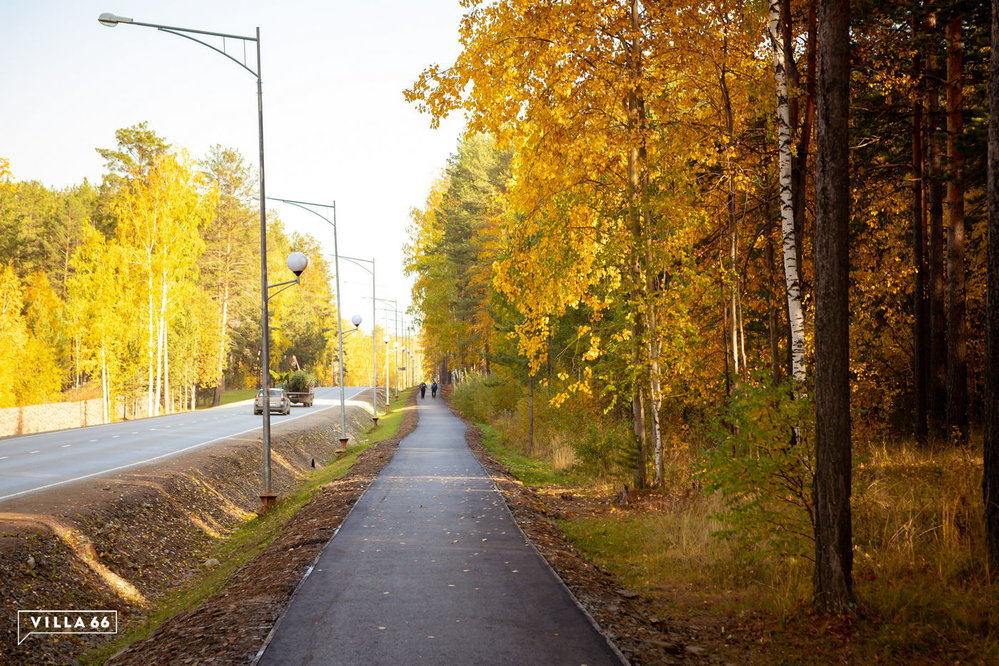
277 400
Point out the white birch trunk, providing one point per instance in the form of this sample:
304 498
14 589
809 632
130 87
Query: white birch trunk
789 244
224 336
167 397
162 388
158 378
151 353
655 394
105 389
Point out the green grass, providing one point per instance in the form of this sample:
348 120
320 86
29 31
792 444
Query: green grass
252 537
237 395
532 471
388 424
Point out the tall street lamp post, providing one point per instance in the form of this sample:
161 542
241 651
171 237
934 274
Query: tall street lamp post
374 343
297 263
310 207
388 377
110 20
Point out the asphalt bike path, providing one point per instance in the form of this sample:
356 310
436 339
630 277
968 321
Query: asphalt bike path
430 568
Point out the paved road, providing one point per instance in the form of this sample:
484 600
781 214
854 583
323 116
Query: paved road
429 568
36 462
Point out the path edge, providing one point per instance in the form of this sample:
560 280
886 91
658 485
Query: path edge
471 427
405 430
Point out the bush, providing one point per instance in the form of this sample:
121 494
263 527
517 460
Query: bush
299 381
763 474
575 435
483 398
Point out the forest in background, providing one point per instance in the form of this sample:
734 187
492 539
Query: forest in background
619 261
144 289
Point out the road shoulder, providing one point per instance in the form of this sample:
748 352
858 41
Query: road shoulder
124 541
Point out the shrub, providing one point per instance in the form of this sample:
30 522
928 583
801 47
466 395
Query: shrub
764 474
575 435
483 398
299 381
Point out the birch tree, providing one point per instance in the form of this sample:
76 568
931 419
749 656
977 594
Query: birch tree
228 261
796 320
159 215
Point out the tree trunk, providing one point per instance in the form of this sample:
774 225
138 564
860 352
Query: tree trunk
530 413
638 426
990 475
934 209
639 261
957 326
167 397
773 314
105 388
799 158
790 242
655 404
151 342
223 346
921 329
833 585
733 228
727 355
161 348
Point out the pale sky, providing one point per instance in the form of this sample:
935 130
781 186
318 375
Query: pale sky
335 124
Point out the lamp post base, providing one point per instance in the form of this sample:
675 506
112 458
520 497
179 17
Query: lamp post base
343 443
267 502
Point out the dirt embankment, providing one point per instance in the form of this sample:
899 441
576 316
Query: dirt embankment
122 541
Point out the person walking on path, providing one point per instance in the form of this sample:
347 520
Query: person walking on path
430 568
433 389
423 389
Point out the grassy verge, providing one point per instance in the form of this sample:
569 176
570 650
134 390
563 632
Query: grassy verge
251 538
532 471
388 424
238 395
923 596
244 544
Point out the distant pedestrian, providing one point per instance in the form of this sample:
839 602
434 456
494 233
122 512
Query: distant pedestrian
433 390
423 389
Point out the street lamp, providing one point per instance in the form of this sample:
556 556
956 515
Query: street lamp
110 20
388 377
356 321
297 263
374 343
307 206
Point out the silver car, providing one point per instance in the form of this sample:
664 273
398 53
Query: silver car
277 400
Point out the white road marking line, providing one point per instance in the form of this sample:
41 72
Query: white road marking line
33 452
66 446
3 457
164 455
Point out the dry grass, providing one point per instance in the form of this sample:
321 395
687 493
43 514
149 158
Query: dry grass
919 572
